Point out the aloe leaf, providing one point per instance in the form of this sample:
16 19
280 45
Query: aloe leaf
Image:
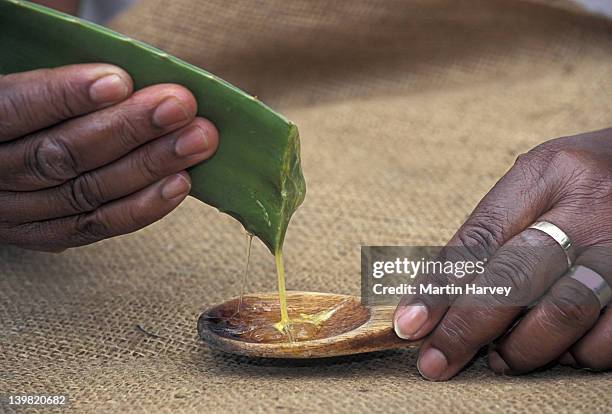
255 175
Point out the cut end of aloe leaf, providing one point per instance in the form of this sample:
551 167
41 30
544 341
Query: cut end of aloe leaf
293 186
269 195
255 175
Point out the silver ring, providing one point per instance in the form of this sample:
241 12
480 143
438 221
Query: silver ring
559 236
594 282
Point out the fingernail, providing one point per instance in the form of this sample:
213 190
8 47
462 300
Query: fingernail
110 88
190 142
169 112
410 320
432 364
175 186
497 363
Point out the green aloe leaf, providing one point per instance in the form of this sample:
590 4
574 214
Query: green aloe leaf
255 176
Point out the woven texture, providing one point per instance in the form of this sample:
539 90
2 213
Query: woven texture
409 111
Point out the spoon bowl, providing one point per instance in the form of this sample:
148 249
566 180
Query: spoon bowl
343 326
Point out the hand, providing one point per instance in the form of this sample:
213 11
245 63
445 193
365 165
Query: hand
567 182
83 159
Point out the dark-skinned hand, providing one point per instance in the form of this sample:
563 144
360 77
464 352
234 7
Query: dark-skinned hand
567 182
83 158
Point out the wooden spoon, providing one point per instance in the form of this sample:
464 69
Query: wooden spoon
349 327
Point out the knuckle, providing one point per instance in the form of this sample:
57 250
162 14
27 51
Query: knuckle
540 154
91 227
483 235
569 156
580 170
37 97
512 269
524 159
16 106
530 167
136 216
64 96
147 164
547 149
570 306
51 160
563 157
84 193
457 330
126 126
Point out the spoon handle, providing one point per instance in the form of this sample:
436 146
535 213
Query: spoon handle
377 334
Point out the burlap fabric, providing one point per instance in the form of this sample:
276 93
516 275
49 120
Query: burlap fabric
409 112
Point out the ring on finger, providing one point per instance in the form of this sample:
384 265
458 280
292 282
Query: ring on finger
559 236
592 280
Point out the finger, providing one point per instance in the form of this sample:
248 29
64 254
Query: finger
144 166
528 264
561 317
496 219
33 100
594 350
122 216
53 156
567 311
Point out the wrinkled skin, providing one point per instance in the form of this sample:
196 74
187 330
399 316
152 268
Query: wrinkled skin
84 158
565 181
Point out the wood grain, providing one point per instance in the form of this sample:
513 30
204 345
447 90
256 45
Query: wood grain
353 329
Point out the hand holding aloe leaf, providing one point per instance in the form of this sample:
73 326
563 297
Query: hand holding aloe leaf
87 159
83 157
